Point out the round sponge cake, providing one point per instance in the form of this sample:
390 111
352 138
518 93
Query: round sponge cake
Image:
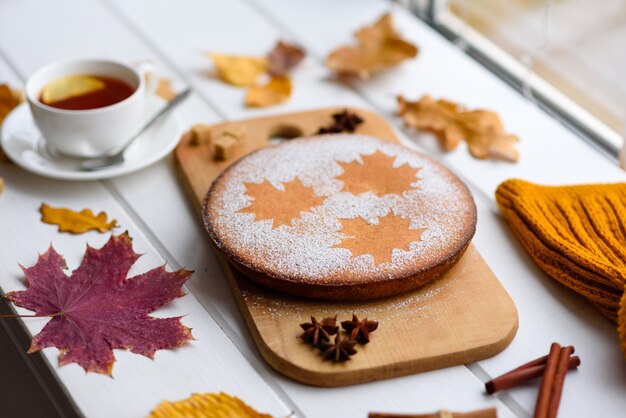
340 217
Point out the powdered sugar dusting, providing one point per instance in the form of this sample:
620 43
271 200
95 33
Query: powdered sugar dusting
421 303
304 249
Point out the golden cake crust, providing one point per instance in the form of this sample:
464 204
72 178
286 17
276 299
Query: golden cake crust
342 217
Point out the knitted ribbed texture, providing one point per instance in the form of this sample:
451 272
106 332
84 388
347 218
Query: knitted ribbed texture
577 235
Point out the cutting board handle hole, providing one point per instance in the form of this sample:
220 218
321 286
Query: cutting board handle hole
282 133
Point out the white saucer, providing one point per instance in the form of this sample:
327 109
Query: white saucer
25 146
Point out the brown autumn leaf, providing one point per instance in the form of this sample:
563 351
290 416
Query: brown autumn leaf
379 47
239 70
451 123
244 71
164 89
75 222
9 99
275 91
206 405
283 58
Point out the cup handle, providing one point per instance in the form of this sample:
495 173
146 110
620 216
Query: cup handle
147 70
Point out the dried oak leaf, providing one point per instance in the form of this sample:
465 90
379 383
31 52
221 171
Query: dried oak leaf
316 332
75 222
275 91
97 308
359 330
9 99
239 70
379 47
283 58
340 350
344 121
206 405
451 123
164 89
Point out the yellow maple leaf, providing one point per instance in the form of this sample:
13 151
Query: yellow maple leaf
275 91
282 206
239 70
378 240
379 47
75 222
206 405
451 123
9 99
377 174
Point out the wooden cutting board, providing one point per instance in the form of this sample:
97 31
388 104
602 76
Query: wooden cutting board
461 318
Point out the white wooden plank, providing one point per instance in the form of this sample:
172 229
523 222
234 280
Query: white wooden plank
537 299
421 393
82 30
480 229
550 154
542 303
227 28
459 377
210 288
211 363
7 76
418 381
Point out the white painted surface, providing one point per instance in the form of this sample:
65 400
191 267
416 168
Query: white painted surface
153 206
21 142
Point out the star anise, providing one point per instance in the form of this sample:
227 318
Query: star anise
345 121
359 330
340 350
316 332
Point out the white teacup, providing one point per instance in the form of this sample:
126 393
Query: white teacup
92 132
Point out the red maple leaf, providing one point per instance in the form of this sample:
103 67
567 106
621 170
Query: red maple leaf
97 308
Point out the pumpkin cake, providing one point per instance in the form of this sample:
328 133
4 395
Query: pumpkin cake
340 217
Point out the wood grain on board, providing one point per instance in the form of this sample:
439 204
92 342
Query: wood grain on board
463 317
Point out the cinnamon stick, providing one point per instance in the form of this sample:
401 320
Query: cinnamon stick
539 361
482 413
559 380
524 374
545 391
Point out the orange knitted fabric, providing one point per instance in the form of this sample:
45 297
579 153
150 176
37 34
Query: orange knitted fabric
577 235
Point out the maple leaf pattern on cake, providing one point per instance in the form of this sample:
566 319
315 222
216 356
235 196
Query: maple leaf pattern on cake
378 240
282 206
97 308
377 174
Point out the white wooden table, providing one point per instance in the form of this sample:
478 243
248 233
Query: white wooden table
153 207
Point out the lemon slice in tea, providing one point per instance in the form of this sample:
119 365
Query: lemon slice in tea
70 86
